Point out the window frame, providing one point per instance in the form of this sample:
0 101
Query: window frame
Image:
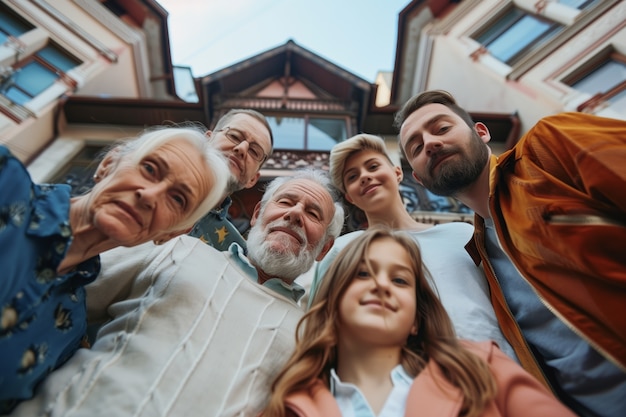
554 29
306 117
589 68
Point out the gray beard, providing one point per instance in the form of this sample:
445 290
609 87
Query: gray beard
283 265
233 185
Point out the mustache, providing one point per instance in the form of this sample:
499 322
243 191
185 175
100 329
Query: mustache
435 158
284 224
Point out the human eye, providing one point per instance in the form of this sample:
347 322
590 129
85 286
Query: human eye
362 273
234 136
149 168
442 129
415 149
403 278
284 202
255 151
373 166
315 214
400 281
349 177
180 199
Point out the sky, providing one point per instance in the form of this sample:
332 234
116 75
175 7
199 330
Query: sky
356 35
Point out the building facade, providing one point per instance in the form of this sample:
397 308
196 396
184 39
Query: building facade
77 75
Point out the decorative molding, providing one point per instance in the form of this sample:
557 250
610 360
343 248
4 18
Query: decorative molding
532 59
76 30
125 33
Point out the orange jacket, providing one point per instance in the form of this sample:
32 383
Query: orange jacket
519 394
558 203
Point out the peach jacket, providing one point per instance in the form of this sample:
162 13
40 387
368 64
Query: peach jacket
519 394
559 208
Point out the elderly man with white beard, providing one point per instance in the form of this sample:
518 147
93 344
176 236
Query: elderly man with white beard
193 331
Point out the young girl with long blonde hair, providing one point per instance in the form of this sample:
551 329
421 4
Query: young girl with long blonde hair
378 342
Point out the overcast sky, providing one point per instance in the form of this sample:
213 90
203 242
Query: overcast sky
357 35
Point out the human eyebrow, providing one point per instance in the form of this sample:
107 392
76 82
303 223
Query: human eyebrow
164 170
161 164
374 159
433 120
349 171
428 124
293 197
186 189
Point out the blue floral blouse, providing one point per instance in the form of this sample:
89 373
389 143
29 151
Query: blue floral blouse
43 315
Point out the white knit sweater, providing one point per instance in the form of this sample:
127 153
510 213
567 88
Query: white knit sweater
191 335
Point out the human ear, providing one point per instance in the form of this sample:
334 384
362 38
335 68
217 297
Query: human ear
253 180
329 244
482 131
107 165
255 214
399 174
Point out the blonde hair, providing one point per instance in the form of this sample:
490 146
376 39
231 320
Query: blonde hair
340 153
317 334
137 148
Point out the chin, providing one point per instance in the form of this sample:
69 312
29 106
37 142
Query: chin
281 249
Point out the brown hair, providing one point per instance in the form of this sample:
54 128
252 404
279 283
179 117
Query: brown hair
431 97
317 334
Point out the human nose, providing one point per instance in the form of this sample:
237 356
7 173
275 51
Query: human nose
149 195
381 283
242 148
432 144
364 177
294 214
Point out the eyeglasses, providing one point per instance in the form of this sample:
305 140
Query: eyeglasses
254 149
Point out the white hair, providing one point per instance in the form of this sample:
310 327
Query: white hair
137 148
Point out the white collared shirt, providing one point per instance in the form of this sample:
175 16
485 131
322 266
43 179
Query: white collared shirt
352 403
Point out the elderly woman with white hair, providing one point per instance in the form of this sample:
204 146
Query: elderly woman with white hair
150 188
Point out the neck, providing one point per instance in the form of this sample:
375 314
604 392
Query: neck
476 195
394 216
370 370
360 364
87 241
264 276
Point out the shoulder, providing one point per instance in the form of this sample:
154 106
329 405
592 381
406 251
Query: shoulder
317 401
13 174
484 350
343 240
573 128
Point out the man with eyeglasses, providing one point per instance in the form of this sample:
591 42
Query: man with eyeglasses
245 138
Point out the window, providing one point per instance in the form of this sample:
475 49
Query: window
11 24
29 76
604 78
37 72
578 4
78 173
307 133
515 33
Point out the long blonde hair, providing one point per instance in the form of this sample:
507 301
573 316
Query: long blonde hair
317 333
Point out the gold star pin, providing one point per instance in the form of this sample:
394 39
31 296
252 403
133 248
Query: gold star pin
221 234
